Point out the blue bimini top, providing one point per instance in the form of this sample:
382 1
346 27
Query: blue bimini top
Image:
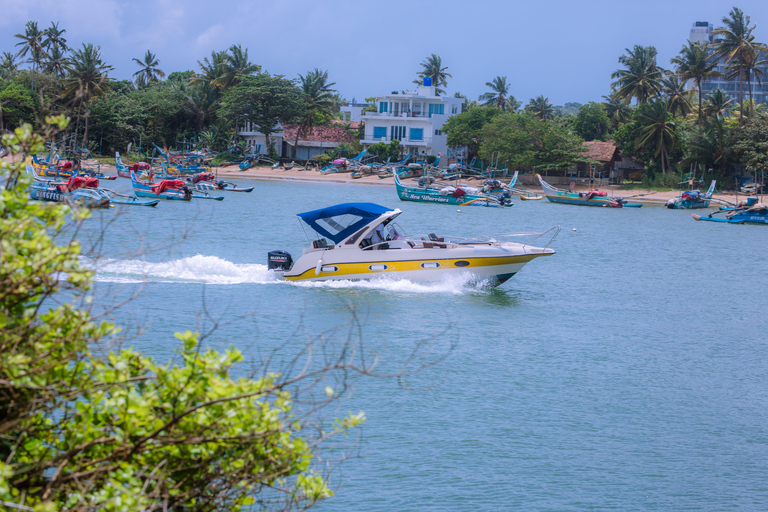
338 222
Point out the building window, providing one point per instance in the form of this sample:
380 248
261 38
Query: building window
383 107
454 109
438 132
379 132
435 108
417 134
397 132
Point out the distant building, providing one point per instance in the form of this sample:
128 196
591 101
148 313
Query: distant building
415 118
702 32
317 141
257 142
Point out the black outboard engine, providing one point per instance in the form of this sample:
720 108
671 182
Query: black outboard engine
279 260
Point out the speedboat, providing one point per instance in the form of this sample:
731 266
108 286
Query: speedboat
361 241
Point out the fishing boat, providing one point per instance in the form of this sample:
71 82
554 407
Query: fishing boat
524 194
78 191
749 212
361 241
165 189
124 170
591 198
692 199
460 195
225 186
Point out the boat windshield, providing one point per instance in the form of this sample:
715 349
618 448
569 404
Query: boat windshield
338 222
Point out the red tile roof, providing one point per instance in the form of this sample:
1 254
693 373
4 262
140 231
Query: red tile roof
317 134
601 151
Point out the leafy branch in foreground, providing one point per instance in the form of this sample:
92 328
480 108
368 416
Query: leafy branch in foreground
123 432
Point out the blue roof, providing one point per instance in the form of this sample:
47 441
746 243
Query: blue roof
338 222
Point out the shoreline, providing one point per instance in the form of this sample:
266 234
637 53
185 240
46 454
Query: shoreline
267 173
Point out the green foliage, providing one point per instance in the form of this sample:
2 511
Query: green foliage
266 101
225 156
121 432
528 143
17 105
591 122
751 144
465 129
385 150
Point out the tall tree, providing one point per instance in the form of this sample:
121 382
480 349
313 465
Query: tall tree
657 131
86 79
54 37
733 43
540 107
318 99
591 122
433 68
33 43
617 109
9 66
677 96
149 71
237 66
717 104
55 64
499 94
212 71
693 63
751 66
264 100
641 78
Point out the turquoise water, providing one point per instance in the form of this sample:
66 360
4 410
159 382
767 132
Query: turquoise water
626 372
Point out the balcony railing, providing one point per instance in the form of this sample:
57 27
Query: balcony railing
424 141
401 115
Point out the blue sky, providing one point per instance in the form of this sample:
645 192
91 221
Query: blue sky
565 50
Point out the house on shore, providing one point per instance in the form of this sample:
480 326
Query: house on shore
415 118
318 140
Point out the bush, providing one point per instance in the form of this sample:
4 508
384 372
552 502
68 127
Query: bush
323 160
225 156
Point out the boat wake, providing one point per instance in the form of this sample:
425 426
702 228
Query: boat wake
212 270
195 269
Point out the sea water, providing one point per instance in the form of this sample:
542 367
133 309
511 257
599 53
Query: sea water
626 372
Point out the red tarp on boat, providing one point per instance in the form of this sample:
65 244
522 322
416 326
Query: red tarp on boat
167 185
140 166
76 182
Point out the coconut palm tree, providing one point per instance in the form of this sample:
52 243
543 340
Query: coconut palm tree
693 63
717 104
641 79
55 64
433 67
212 70
149 71
9 66
540 107
499 93
677 96
53 37
734 43
237 65
617 109
86 79
751 65
319 100
711 148
32 43
657 131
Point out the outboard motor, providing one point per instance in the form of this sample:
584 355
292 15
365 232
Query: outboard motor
279 260
671 204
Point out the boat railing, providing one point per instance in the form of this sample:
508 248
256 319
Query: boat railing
556 230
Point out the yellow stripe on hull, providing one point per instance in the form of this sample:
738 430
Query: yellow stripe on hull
348 269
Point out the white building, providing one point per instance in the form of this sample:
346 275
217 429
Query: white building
257 142
415 118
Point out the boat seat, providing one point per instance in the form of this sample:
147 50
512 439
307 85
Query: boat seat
320 244
432 245
433 237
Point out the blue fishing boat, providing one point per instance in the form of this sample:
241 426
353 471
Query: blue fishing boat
692 199
451 195
78 191
751 212
591 198
164 189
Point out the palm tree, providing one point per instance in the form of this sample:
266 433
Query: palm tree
617 109
709 149
237 65
212 70
642 77
693 64
717 104
677 96
541 108
751 66
8 66
319 99
432 67
149 71
53 37
32 42
86 79
202 100
657 132
499 94
733 43
55 64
